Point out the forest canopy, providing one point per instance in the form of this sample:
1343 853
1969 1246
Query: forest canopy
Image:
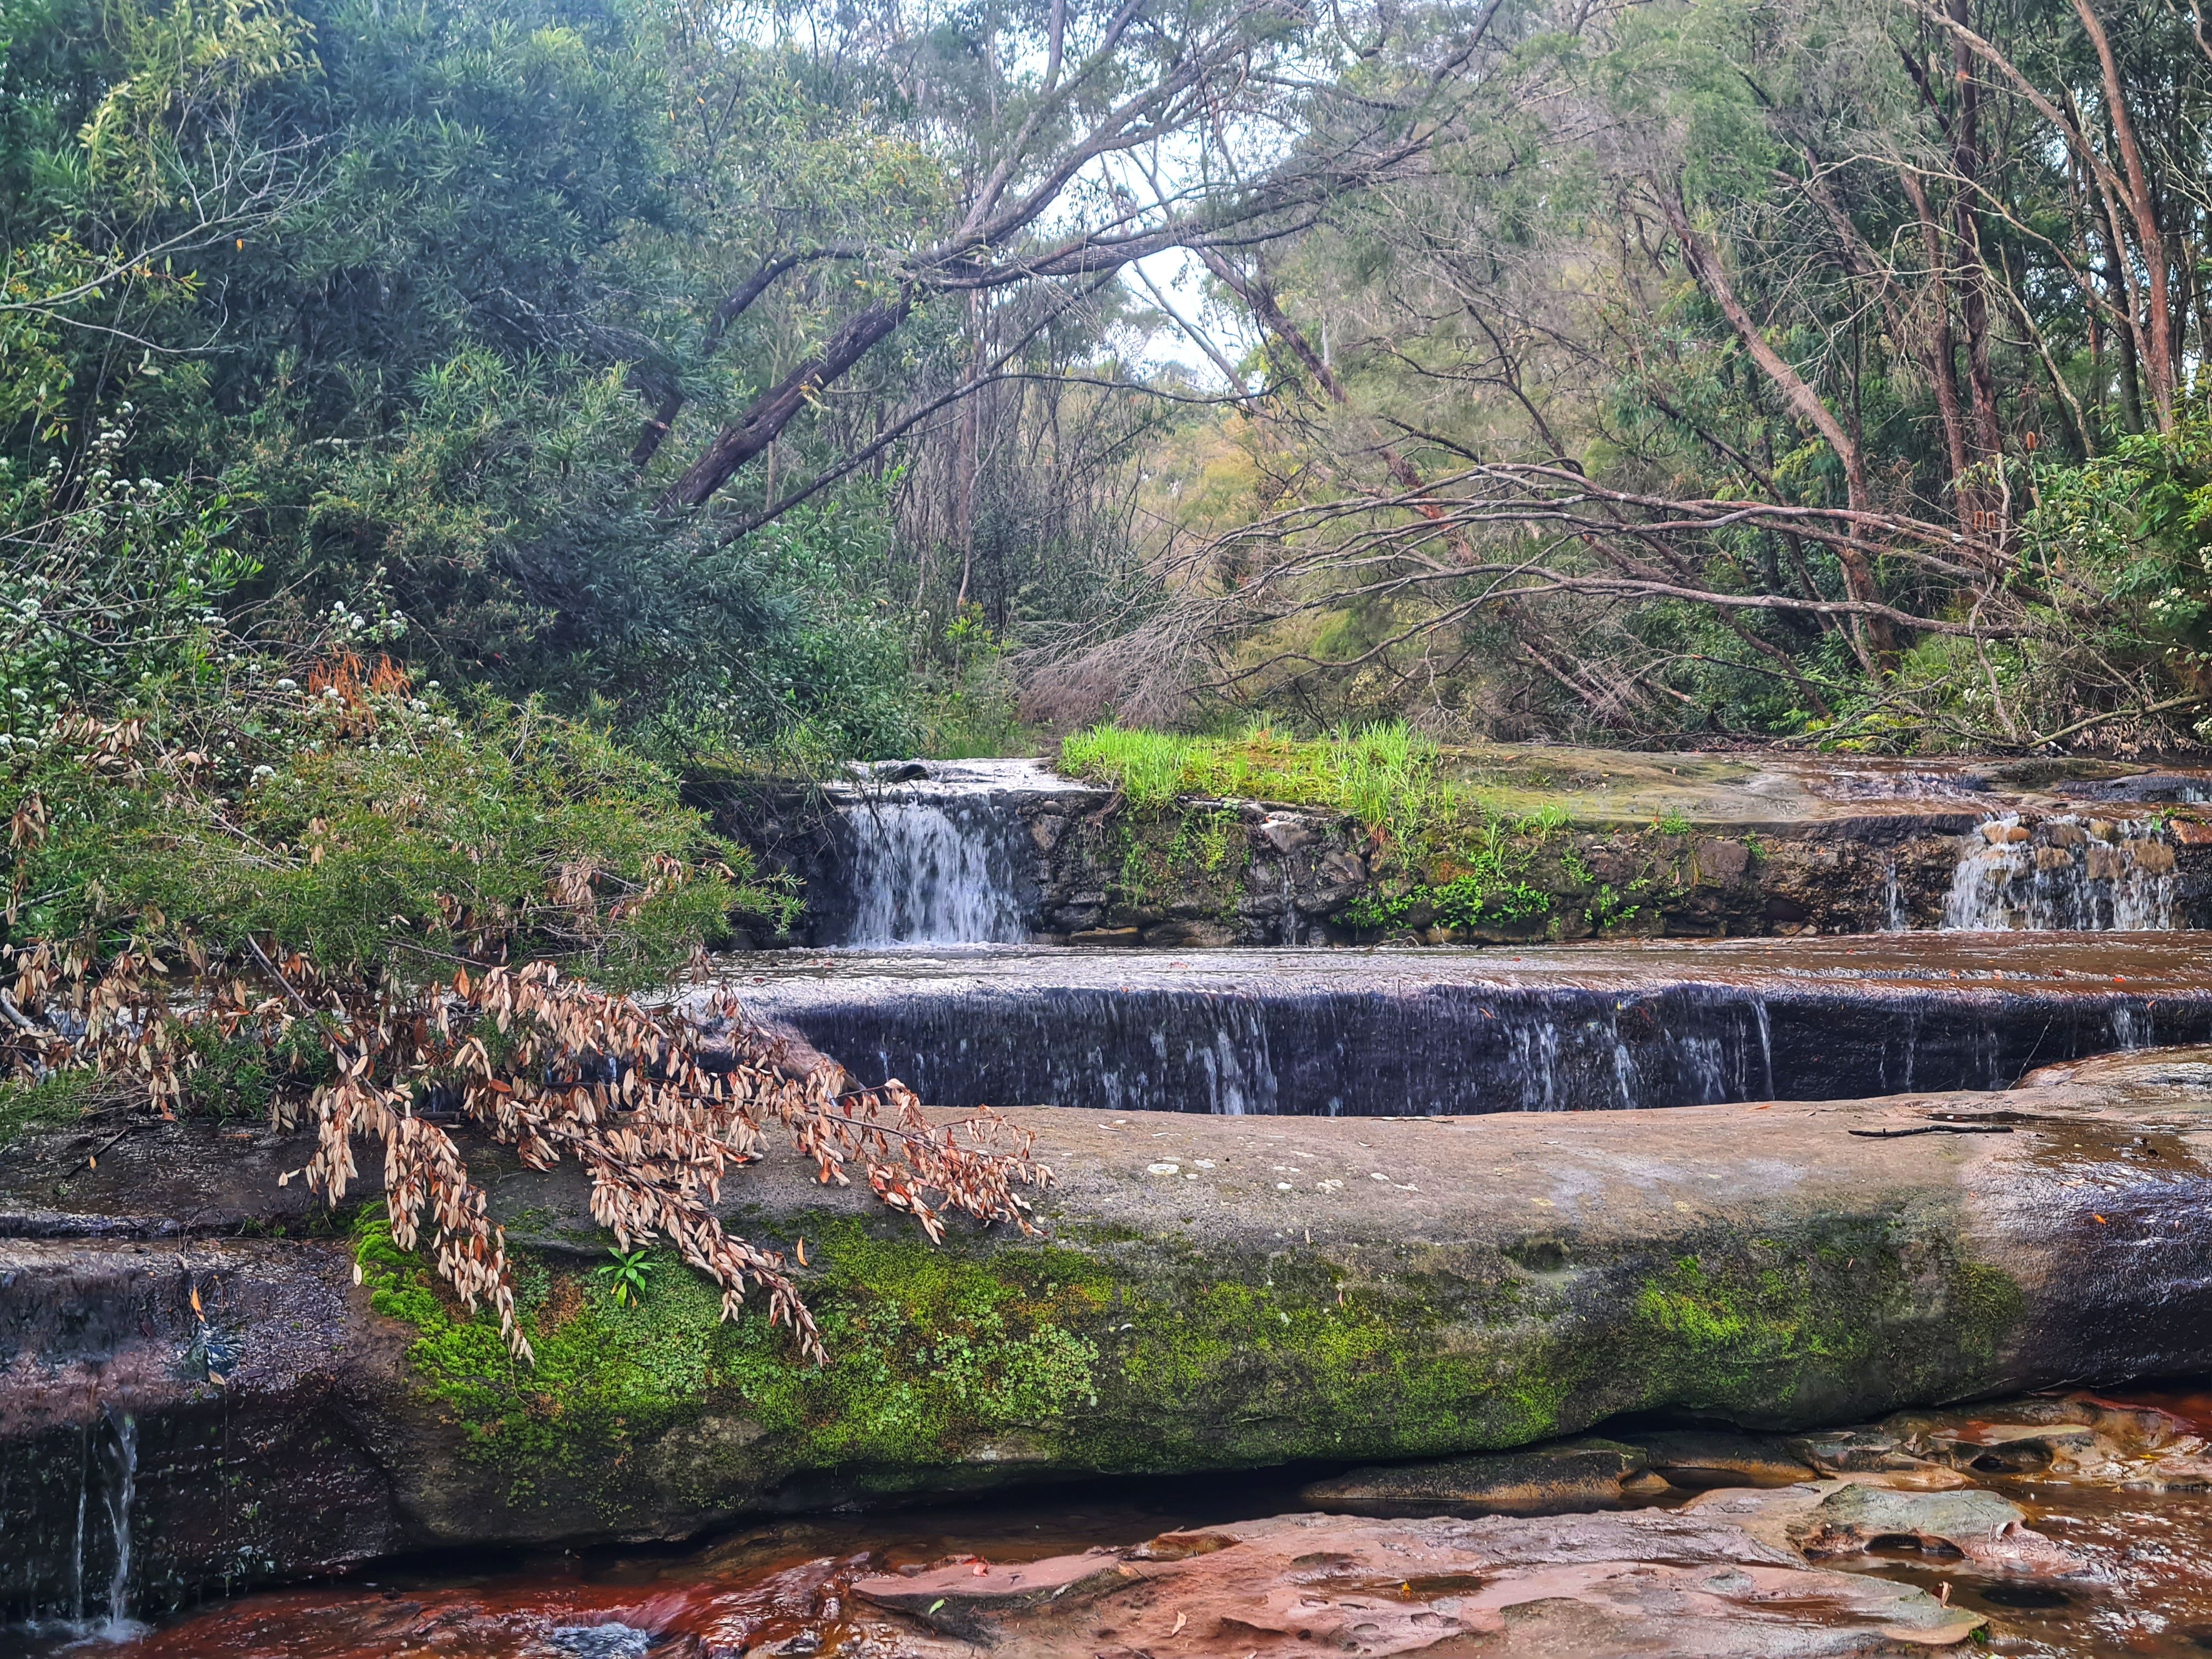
767 385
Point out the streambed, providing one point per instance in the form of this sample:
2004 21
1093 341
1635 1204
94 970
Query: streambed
2107 1568
1340 1031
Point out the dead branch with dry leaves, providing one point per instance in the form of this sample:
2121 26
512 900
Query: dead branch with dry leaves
658 1105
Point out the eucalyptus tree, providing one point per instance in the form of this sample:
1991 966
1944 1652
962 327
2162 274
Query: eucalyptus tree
1737 365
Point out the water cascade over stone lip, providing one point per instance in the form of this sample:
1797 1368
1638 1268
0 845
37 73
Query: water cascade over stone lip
1440 1031
2068 872
932 852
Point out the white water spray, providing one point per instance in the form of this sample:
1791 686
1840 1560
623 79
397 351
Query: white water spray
2093 876
931 872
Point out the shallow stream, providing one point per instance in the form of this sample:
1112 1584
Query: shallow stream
1332 1031
783 1589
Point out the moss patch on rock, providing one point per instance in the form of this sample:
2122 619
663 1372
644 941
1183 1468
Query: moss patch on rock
973 1362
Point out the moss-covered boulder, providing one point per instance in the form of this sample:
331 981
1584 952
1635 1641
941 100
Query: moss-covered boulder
1209 1293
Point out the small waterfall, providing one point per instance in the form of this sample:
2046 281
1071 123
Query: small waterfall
1895 917
106 1490
2133 1028
118 1626
932 872
1766 1041
1536 1059
1394 1033
2085 875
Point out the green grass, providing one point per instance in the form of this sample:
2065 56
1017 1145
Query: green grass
1463 859
1390 778
55 1103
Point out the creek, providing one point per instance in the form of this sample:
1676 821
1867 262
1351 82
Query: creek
959 946
2133 1583
1421 1030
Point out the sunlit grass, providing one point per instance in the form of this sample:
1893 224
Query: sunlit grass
1463 858
1390 778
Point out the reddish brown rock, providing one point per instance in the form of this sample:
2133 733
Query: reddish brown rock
1651 1583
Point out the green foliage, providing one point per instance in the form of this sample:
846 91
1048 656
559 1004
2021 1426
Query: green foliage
53 1102
109 588
1474 859
627 1275
378 831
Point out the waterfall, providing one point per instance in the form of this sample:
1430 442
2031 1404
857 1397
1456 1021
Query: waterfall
934 853
2133 1028
2087 875
1895 917
119 1627
1395 1033
931 872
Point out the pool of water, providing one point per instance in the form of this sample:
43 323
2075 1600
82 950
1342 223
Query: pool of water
783 1588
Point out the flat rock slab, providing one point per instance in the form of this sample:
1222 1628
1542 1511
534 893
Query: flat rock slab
1210 1294
1306 1586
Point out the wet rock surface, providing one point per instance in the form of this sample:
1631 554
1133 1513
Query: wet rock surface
1680 846
1309 1585
2077 1563
1212 1294
1387 1032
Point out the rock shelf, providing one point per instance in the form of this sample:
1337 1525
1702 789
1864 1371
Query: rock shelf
1212 1294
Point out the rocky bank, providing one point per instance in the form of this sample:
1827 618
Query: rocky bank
1210 1294
1587 843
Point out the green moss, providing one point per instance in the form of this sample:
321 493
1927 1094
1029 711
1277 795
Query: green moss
1119 1354
1184 858
1759 1327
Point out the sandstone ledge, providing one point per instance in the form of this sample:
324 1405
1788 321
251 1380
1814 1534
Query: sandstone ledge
1293 1291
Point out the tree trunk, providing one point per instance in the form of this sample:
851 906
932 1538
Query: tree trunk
774 410
1881 646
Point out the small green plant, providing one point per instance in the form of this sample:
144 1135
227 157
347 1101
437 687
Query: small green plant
1672 822
54 1101
625 1275
1609 909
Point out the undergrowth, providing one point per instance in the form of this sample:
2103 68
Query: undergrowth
54 1101
370 826
1454 858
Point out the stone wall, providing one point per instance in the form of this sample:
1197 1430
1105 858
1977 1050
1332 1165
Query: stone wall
1220 872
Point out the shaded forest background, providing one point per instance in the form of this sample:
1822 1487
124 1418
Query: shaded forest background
767 386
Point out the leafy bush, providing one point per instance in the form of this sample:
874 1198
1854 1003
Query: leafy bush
378 831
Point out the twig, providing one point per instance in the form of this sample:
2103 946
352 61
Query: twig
92 1158
272 970
2182 702
1933 1129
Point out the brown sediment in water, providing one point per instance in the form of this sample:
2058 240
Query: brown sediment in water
2126 1575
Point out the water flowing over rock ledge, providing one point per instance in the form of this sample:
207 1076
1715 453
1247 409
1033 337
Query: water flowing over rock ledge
1693 847
1214 1294
1363 1032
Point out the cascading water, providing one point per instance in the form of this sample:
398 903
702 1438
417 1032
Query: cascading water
930 873
934 853
119 1499
2063 874
1413 1031
1896 917
106 1488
